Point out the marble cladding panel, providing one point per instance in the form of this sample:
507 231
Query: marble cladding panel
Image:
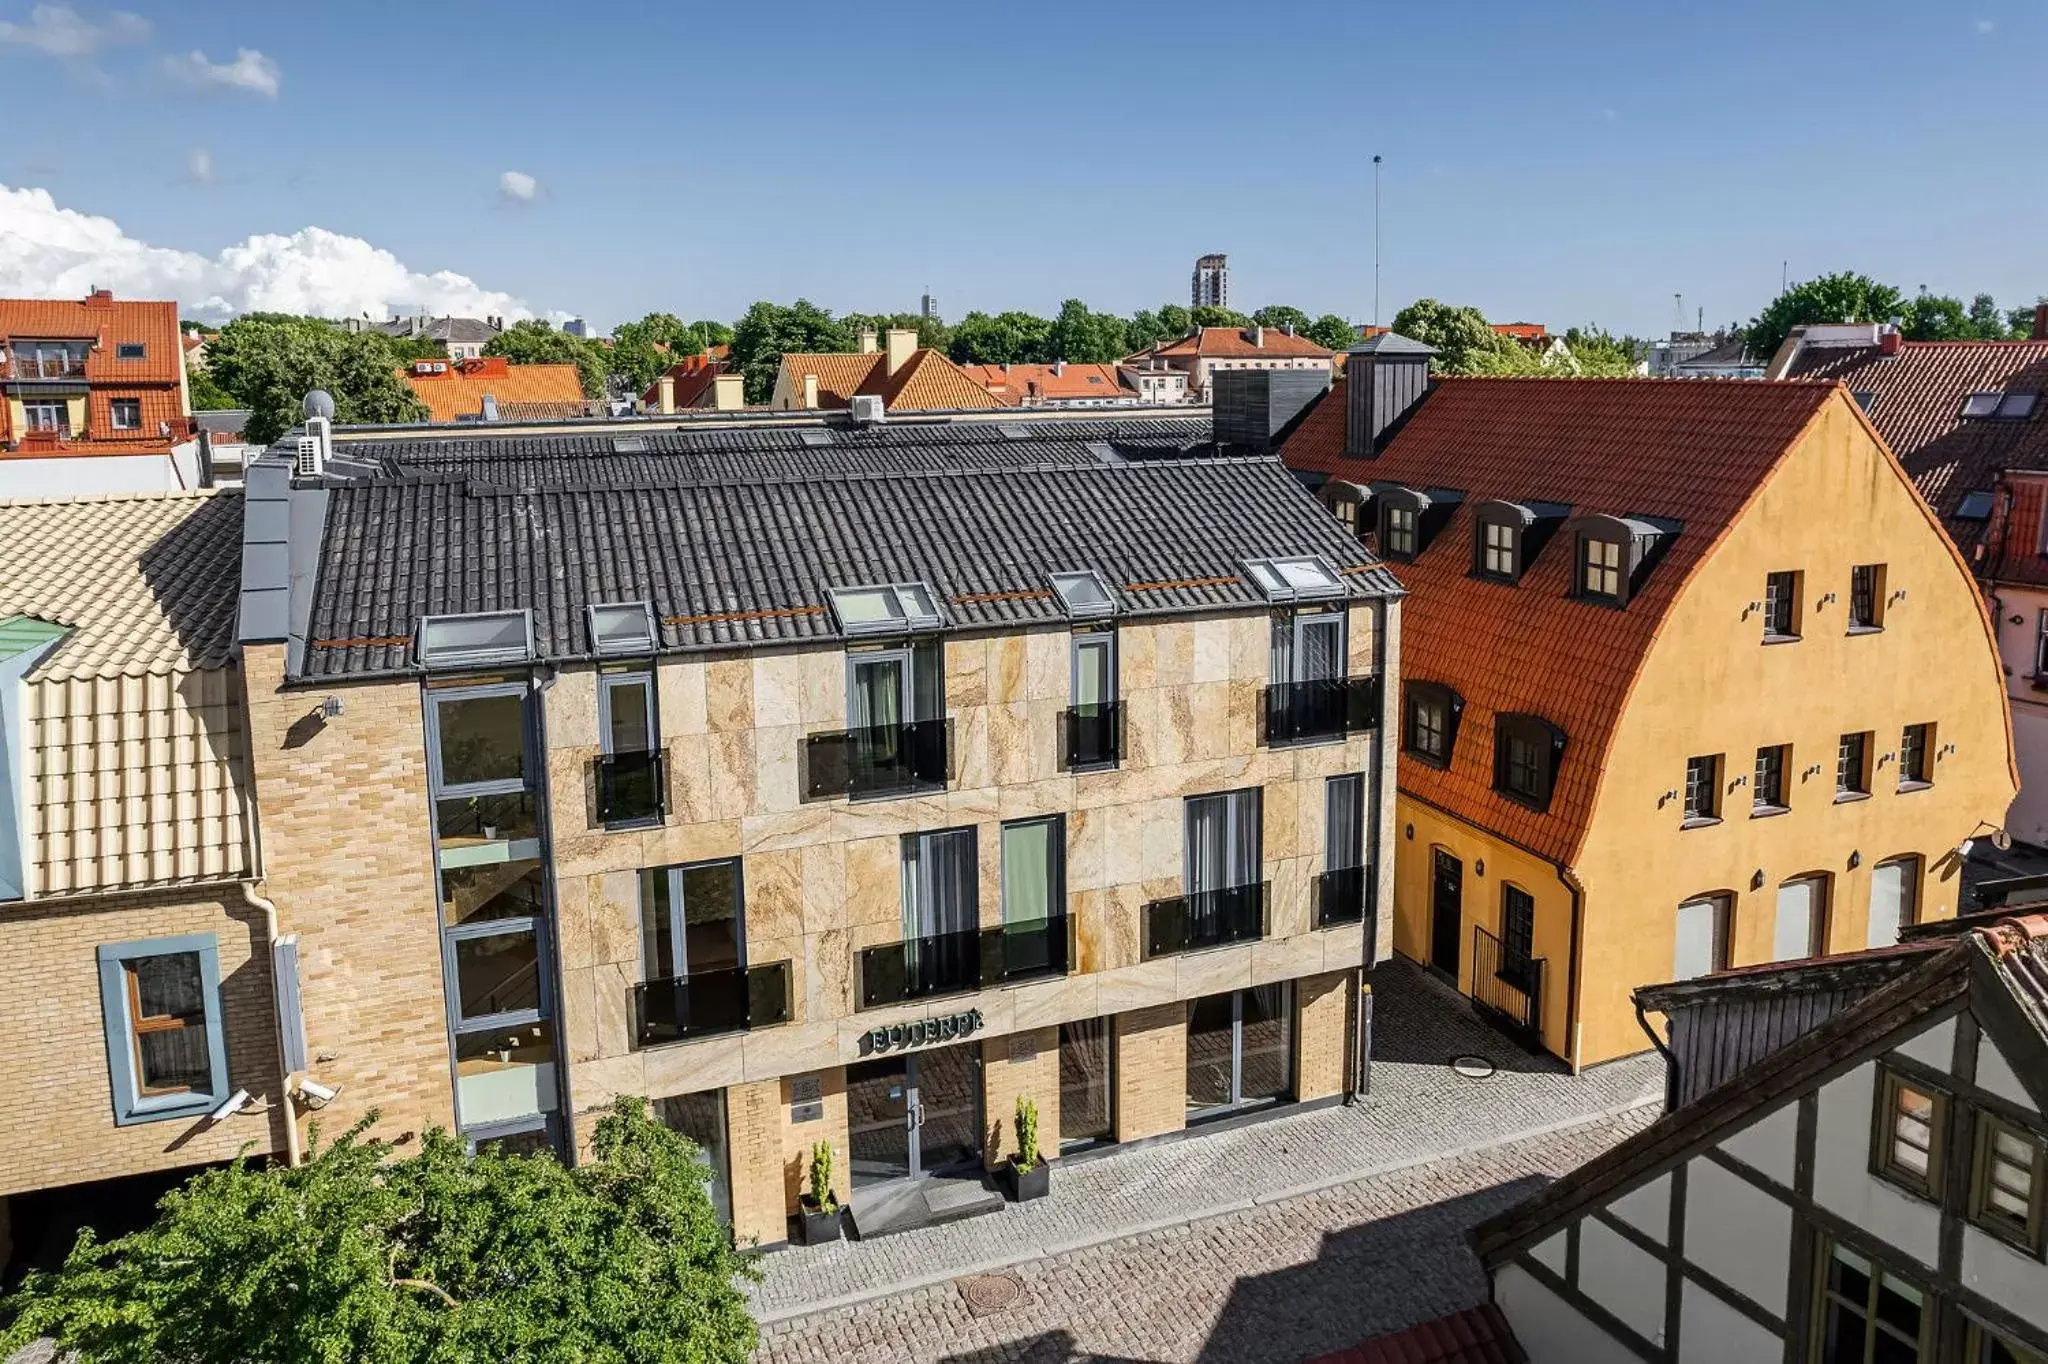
778 689
774 897
1048 666
824 689
729 694
1007 673
680 693
570 709
776 773
966 673
1211 658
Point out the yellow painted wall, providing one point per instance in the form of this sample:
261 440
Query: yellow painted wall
1710 685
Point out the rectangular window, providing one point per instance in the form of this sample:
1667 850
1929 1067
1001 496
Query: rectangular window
475 641
1916 765
1703 788
1771 762
127 413
1223 835
701 1118
885 609
1427 724
131 350
1987 1346
1092 724
1522 766
1894 899
626 712
160 1006
1868 1315
1240 1050
1600 567
2008 1181
1906 1136
1852 766
1702 937
494 970
1866 597
1781 606
1517 930
479 739
1307 647
631 777
1086 1055
1397 532
941 892
1802 927
2041 646
622 628
692 920
1497 549
54 418
1034 858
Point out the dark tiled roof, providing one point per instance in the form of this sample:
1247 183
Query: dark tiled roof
1915 400
1690 450
1478 1335
667 455
735 564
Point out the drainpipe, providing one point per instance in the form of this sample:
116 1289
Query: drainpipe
287 1080
1574 1025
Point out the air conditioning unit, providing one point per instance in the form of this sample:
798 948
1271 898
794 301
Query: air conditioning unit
310 459
866 409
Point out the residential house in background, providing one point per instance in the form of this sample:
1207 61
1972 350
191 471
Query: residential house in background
1205 350
696 381
142 1000
1871 1186
96 398
195 342
492 388
872 813
898 372
1058 384
1703 355
1154 381
463 338
1627 749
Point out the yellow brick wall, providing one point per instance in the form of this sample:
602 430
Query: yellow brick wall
753 1141
58 1124
1321 1009
1151 1071
1023 1065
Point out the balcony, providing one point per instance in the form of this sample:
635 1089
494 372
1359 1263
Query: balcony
632 788
1330 708
960 963
1508 988
26 368
888 760
1345 895
709 1003
1094 735
1212 918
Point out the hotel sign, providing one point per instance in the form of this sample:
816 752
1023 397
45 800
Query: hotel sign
922 1032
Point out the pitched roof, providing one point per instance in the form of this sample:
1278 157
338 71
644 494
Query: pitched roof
1692 451
108 322
841 374
147 583
1017 383
1477 1335
443 329
690 377
523 392
733 564
1915 400
1236 343
926 380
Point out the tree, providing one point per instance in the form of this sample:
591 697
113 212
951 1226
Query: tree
2019 322
1331 331
267 362
1209 315
1281 317
1597 352
1146 327
1841 297
712 333
768 331
1464 343
406 349
1088 338
637 356
1986 322
1935 317
534 342
207 396
1010 338
931 332
439 1256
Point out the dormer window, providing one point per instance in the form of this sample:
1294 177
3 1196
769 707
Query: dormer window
1397 532
474 641
1084 594
1526 752
622 628
1507 536
1601 575
1298 579
889 608
1499 550
1429 722
1409 518
1613 554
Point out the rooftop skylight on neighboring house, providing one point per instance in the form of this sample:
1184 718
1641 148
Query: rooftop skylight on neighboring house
629 445
1084 593
2004 406
1975 506
887 608
622 628
1299 579
1982 404
1864 397
2018 406
472 641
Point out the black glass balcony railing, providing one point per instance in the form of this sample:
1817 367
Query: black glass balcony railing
1344 895
959 963
1329 708
632 788
886 760
1094 735
1209 918
708 1003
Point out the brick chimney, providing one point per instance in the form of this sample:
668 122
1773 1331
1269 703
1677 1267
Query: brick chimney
902 343
810 392
100 298
2041 321
1889 340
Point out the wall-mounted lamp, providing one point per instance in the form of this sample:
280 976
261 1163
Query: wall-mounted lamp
1812 771
1479 867
1855 860
1824 601
1740 781
1899 595
1410 832
331 707
1946 749
2016 620
1756 880
1667 798
1752 609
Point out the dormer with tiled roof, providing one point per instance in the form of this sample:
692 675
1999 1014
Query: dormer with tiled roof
91 376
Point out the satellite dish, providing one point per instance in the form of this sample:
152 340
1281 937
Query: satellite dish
318 403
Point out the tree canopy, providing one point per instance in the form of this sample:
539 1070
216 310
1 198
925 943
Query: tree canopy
931 332
437 1256
1466 343
1842 297
534 342
769 331
1011 338
636 355
267 362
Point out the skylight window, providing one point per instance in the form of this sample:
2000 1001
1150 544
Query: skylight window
1084 593
1864 397
629 445
1982 404
1012 431
1105 453
2017 406
132 350
1976 506
888 608
478 640
815 439
1299 579
622 628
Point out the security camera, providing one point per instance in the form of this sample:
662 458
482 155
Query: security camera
316 1094
233 1104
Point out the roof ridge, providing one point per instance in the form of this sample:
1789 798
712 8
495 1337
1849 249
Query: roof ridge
167 495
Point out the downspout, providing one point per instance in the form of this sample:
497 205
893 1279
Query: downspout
1671 1090
1574 1027
294 1154
287 1081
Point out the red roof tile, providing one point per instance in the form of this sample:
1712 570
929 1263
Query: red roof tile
1235 343
926 380
107 322
1694 450
1017 383
529 392
1478 1335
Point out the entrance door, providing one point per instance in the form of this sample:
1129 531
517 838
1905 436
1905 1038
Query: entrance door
878 1113
911 1116
1446 911
946 1087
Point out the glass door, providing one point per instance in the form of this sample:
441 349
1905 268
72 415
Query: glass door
1318 647
1222 854
945 1090
941 911
878 1110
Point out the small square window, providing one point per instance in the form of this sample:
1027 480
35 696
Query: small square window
1769 795
160 1005
1084 593
1600 568
1397 532
1852 766
1299 579
1866 597
1916 763
1429 728
2009 1178
1906 1137
127 413
131 350
622 628
1703 789
1975 506
1781 606
1498 549
885 609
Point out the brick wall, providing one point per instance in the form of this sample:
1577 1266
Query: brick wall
1151 1071
1321 1014
1024 1064
753 1143
58 1124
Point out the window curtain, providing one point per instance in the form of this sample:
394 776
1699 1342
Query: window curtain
1318 654
1344 844
1244 838
877 693
939 884
1283 649
1027 872
1890 902
1798 928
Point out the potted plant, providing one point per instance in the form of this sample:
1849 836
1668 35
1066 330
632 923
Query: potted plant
1027 1176
818 1219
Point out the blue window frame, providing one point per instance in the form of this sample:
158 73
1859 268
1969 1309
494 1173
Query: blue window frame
166 1052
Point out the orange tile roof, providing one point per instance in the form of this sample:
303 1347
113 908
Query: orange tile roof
1695 450
459 394
108 322
1014 383
927 379
1232 343
692 375
1522 331
2014 532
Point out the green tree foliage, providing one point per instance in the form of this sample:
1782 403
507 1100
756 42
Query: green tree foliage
1331 332
1210 316
439 1256
1280 316
932 333
1598 352
1005 339
1147 327
2019 322
1842 297
534 342
267 362
1934 317
406 349
207 396
636 356
1086 337
1464 343
712 333
768 331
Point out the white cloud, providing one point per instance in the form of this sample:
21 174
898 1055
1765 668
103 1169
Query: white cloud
1986 26
518 187
199 166
250 70
61 31
47 251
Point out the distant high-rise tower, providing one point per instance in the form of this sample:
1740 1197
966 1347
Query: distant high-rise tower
929 309
1212 282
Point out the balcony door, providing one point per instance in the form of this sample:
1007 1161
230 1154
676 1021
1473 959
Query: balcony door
941 910
692 920
1222 855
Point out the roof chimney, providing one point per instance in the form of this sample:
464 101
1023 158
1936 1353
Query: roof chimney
728 392
2041 321
901 343
867 340
1889 340
1257 336
1384 380
1059 368
810 392
665 394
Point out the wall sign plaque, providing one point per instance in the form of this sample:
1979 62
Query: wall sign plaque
922 1032
806 1099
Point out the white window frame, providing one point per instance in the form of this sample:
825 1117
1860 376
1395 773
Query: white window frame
642 643
114 408
1270 576
1084 610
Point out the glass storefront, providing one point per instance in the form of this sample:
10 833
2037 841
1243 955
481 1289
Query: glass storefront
701 1118
1240 1051
1086 1115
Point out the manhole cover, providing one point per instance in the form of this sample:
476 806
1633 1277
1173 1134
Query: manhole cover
1473 1067
987 1293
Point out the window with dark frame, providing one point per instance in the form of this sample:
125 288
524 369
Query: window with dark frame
1852 766
126 413
1517 931
1768 797
1525 757
1703 788
1781 606
1988 1346
160 1008
2009 1182
1867 1314
167 1023
132 350
1499 550
1906 1137
1916 766
1600 568
1397 531
2041 646
1427 733
1866 597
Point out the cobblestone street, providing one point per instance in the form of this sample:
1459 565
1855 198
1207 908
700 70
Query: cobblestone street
1282 1282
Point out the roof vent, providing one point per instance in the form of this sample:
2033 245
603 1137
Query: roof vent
866 409
490 407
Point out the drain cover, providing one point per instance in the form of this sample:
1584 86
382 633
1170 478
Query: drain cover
988 1293
1473 1067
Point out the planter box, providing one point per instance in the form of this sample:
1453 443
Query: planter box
816 1228
1022 1188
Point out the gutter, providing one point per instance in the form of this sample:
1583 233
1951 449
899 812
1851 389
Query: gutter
287 1080
1573 1025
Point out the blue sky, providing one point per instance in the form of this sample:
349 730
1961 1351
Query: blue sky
1564 163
